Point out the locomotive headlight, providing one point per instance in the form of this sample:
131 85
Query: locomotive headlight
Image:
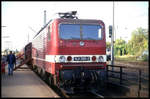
101 59
62 59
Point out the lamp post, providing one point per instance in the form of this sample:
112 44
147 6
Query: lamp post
44 17
112 42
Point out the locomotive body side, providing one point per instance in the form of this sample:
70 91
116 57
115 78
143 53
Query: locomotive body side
38 50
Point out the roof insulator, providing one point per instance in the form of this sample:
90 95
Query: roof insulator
71 14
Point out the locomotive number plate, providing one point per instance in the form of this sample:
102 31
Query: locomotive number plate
81 58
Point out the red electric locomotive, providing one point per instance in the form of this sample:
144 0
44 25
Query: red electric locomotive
71 52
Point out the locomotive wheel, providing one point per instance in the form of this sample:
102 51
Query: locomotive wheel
43 74
39 71
35 69
50 80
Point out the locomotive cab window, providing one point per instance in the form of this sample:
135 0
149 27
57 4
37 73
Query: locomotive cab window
80 31
100 33
69 31
49 33
91 32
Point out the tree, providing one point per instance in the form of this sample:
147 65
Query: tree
108 45
130 49
138 42
120 47
6 51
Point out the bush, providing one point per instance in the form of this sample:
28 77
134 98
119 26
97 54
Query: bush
145 57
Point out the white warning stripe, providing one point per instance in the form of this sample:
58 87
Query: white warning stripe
56 58
39 58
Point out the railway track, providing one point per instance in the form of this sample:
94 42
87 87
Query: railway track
111 91
90 94
62 93
97 94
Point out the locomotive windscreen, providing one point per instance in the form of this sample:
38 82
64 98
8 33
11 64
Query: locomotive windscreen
80 31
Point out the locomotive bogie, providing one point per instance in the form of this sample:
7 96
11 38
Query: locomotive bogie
81 78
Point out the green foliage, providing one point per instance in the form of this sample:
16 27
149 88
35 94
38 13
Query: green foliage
120 47
16 52
108 45
138 42
145 58
135 46
6 51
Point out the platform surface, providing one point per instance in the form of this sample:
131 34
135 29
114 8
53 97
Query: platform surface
24 83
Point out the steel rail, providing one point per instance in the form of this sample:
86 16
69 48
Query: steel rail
93 92
64 94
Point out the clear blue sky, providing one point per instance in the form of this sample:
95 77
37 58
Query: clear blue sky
19 16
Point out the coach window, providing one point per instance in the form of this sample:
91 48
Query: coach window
49 34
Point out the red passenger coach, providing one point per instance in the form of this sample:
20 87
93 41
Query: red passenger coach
28 53
71 52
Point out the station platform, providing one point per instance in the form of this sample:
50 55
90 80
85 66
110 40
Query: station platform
24 83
